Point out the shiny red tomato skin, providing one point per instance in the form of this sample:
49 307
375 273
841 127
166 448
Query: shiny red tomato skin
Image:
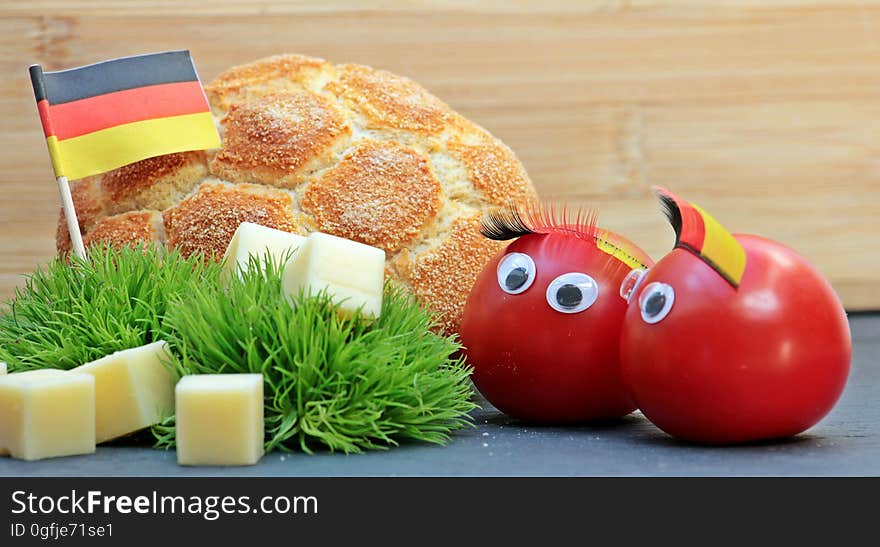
535 363
768 360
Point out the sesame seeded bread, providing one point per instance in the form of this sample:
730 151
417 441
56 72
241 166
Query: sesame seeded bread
310 146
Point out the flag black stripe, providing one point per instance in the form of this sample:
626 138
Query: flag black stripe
114 75
36 73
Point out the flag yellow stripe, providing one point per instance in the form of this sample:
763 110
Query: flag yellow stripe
619 253
720 247
114 147
54 155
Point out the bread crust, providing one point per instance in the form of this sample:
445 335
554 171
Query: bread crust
444 274
250 81
279 139
381 194
133 229
153 183
206 221
390 101
90 205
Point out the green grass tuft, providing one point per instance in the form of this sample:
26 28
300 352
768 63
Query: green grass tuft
342 383
70 313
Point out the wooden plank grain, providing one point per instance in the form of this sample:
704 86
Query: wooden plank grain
765 113
722 8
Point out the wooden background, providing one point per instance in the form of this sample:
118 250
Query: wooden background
766 113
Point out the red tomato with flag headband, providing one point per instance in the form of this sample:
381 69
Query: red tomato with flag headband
731 338
541 327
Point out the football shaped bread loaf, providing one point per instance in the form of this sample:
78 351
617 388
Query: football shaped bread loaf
310 146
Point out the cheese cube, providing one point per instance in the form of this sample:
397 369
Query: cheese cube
2 369
47 413
220 419
255 240
133 390
352 273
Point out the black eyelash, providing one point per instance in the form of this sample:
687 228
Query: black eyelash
672 212
504 224
512 222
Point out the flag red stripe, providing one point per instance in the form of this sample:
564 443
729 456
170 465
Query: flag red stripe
43 108
693 229
84 116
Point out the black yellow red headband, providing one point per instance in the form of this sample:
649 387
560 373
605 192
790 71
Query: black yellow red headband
696 231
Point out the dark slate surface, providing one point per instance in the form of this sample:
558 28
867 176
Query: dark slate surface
846 442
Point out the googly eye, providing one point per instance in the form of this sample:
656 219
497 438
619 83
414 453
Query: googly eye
656 301
631 282
516 273
572 292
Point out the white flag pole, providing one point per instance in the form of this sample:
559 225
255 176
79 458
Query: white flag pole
39 84
70 214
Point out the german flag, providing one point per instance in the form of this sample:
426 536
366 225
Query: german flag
103 116
697 232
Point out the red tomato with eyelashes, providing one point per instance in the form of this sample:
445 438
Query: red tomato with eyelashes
711 362
541 328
